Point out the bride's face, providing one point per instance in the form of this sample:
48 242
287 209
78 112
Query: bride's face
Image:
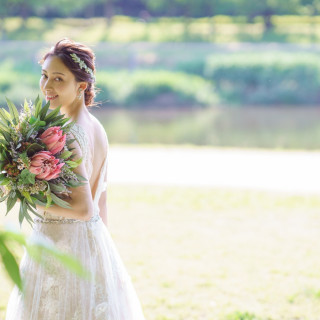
58 84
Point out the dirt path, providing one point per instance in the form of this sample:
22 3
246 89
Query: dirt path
296 171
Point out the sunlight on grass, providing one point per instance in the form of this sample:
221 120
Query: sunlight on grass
206 253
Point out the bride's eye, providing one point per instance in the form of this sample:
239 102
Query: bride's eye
43 75
58 79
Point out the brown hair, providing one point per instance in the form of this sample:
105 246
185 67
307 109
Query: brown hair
63 49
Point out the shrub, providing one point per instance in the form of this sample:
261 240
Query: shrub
265 78
158 88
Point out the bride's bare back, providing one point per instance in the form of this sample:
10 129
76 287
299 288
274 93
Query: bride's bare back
97 155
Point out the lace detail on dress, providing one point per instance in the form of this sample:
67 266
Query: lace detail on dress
83 140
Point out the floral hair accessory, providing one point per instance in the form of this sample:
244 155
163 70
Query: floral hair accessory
82 65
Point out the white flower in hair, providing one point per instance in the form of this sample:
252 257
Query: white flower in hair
82 65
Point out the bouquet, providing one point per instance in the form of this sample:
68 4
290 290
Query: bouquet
36 160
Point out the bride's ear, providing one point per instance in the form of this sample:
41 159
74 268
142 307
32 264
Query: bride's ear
83 86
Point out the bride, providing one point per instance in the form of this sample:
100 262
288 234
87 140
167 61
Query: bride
50 291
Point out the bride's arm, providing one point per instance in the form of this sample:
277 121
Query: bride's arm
81 200
103 198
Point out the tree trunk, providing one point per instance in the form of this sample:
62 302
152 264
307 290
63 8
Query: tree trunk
108 12
89 11
24 13
267 16
2 29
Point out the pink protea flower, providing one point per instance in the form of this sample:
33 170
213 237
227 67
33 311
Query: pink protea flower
45 165
54 139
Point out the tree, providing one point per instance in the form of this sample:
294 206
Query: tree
264 8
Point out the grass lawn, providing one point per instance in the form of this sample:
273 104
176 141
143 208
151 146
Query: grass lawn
215 254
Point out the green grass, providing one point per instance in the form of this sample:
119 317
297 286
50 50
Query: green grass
219 29
216 254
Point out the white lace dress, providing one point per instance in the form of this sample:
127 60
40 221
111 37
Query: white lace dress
54 293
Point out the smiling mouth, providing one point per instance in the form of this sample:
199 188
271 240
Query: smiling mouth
52 97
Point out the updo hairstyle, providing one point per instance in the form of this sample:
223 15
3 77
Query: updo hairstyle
63 49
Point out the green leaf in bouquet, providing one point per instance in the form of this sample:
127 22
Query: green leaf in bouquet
73 183
34 148
2 165
49 200
5 116
27 177
58 121
72 164
4 127
40 124
4 197
44 111
51 116
60 202
23 213
64 121
4 142
68 126
66 154
40 200
5 155
57 187
4 181
69 142
29 133
38 105
27 196
33 119
13 111
11 201
6 135
26 107
32 208
36 122
80 177
10 264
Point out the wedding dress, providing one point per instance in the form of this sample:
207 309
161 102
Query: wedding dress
54 293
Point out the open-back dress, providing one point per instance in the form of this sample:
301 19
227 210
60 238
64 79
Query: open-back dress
54 293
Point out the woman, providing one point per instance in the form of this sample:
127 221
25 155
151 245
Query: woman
52 292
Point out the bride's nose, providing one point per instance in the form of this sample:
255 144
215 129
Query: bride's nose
46 84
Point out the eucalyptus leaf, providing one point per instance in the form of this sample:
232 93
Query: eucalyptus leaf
81 178
60 202
4 197
57 187
22 210
11 201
